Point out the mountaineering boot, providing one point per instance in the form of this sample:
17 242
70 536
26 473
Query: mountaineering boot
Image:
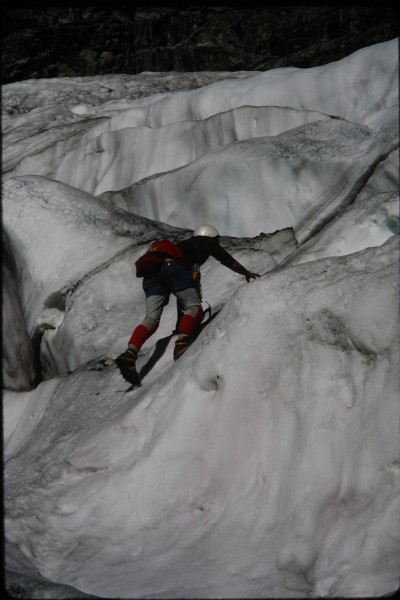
181 345
126 363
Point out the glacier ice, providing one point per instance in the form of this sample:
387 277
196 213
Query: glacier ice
265 462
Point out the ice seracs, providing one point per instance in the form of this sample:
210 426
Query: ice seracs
264 463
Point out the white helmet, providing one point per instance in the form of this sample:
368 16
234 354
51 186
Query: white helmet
207 230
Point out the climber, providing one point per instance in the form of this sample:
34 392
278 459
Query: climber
176 277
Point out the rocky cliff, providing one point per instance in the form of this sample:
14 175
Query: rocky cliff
43 42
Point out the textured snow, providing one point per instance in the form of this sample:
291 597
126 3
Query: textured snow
265 462
298 179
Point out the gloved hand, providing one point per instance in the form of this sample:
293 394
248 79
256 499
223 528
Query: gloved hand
250 275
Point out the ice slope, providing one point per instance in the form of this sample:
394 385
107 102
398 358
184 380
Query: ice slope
79 234
46 119
78 287
265 462
299 178
73 129
276 478
117 158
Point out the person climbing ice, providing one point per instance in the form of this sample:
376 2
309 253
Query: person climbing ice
174 268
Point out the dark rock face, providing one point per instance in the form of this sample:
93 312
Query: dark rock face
73 41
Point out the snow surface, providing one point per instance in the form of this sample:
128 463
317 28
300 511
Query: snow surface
265 462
